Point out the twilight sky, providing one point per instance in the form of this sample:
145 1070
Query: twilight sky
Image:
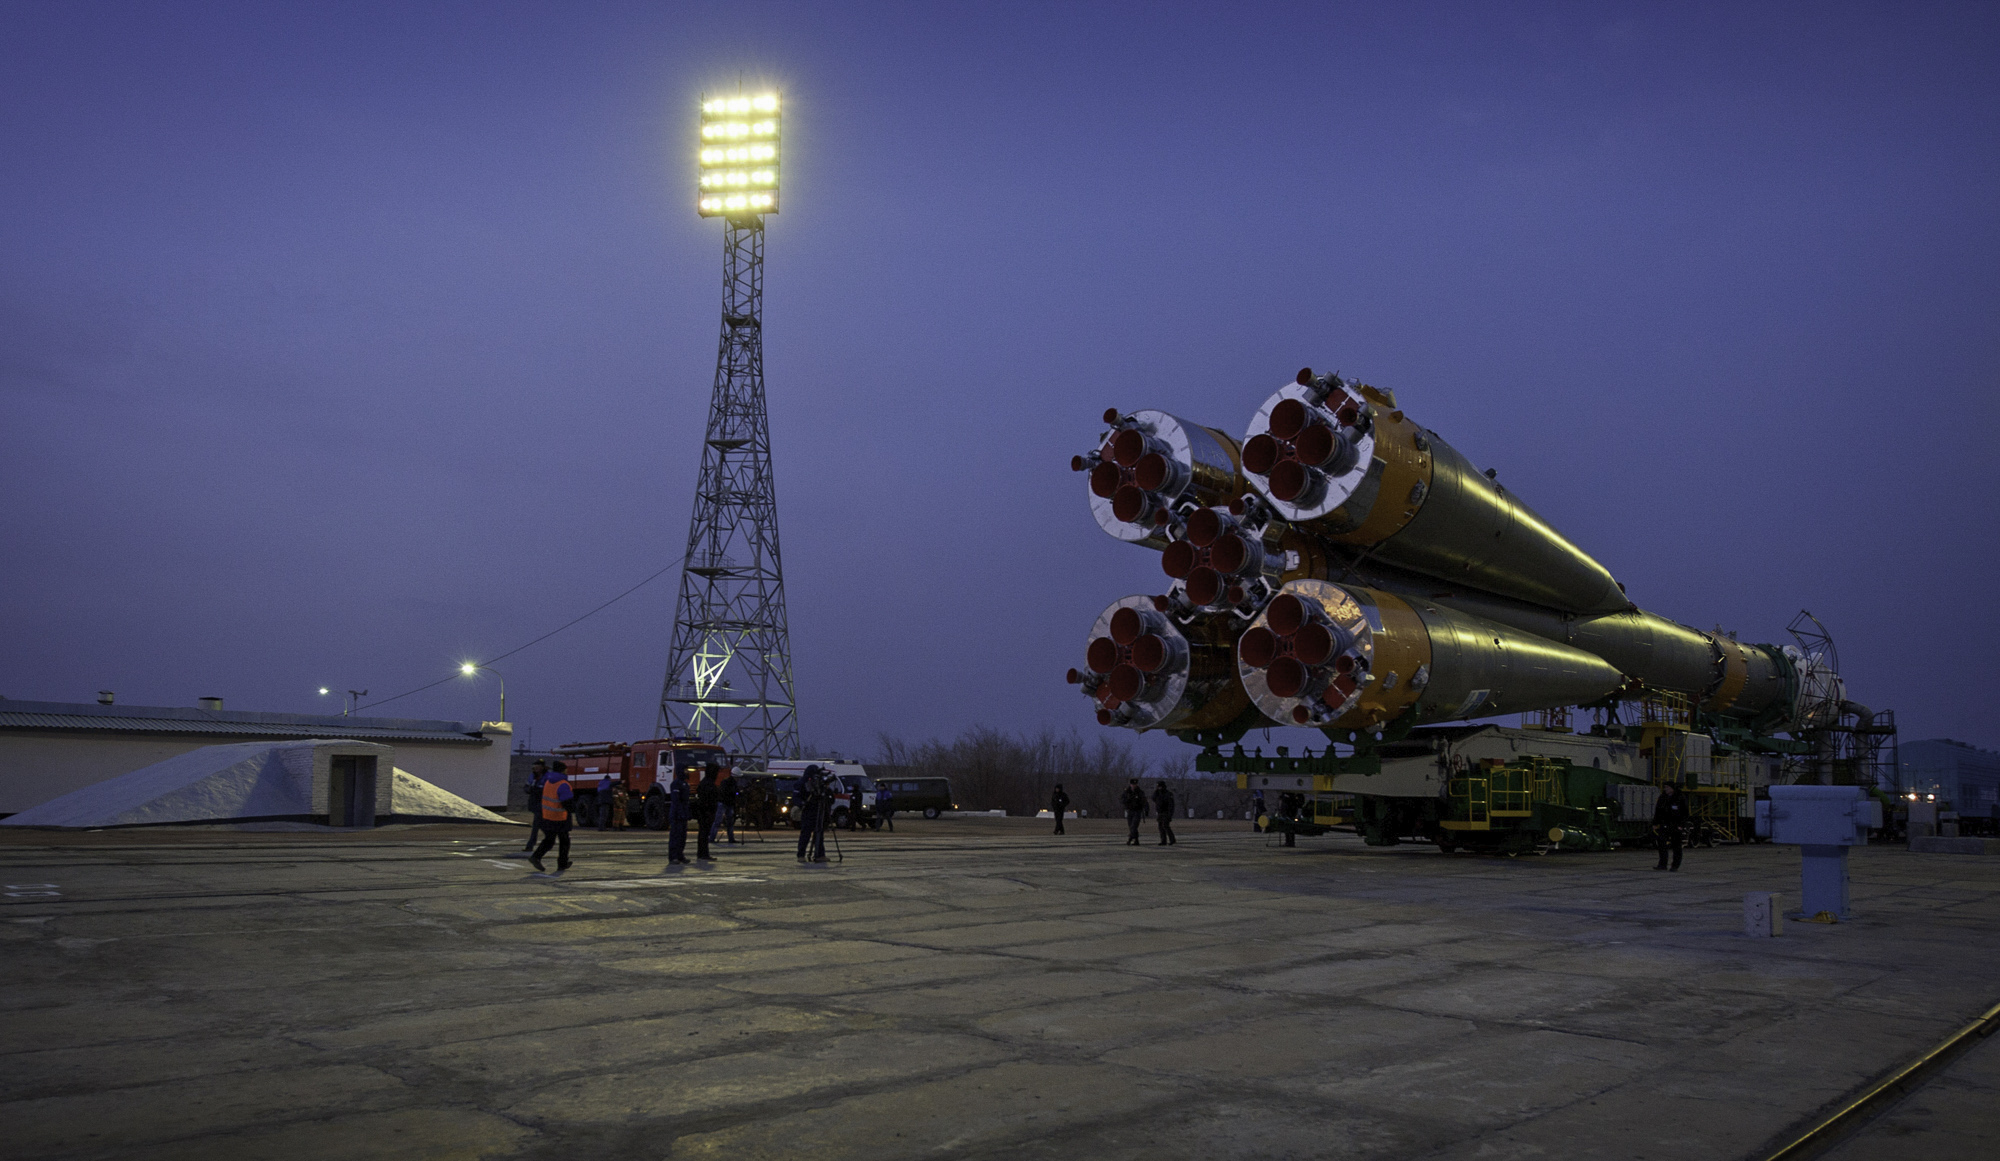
339 343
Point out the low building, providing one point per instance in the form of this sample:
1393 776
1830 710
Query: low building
51 748
1963 775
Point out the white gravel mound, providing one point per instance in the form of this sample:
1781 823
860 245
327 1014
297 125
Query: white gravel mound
243 782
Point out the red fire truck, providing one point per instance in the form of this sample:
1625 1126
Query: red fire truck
644 768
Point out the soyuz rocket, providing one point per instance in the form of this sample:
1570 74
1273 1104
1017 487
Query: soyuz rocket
1343 568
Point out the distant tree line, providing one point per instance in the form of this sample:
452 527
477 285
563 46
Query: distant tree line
991 769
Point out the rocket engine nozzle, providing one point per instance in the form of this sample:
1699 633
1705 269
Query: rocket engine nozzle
1151 467
1145 669
1221 562
1305 655
1137 664
1307 443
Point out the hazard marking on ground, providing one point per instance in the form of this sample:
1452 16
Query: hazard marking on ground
33 891
505 866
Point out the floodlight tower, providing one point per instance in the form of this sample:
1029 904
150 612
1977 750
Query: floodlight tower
729 673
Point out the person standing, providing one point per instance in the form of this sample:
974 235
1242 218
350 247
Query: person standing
677 820
706 799
885 805
537 774
604 802
814 797
1163 805
1058 806
556 795
1257 811
1670 814
727 796
1134 801
621 803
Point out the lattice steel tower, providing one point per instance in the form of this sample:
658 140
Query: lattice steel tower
729 674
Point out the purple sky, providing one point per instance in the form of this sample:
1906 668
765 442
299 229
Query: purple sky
340 343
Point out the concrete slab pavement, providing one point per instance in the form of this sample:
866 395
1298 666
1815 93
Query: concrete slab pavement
966 987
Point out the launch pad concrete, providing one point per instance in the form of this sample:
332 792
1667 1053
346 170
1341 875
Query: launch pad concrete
965 988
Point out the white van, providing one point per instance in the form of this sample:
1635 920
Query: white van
854 800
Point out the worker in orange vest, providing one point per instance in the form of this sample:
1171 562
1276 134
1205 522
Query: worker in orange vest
556 795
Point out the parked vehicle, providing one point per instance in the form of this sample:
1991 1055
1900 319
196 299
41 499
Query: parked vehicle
930 796
854 798
643 767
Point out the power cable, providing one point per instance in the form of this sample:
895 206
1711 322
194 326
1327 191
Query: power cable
552 632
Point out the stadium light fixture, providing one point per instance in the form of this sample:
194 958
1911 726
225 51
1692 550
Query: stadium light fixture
737 166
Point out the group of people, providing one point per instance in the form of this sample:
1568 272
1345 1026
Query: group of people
707 796
1134 801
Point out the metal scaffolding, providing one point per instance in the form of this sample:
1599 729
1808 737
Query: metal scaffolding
729 674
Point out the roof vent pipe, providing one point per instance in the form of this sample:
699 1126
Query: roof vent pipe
106 697
211 704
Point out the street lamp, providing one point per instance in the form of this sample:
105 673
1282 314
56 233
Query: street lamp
468 669
353 699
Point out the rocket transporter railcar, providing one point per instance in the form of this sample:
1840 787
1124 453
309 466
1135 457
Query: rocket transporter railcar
1344 569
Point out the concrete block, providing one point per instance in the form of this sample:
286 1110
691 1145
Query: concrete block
1939 845
1761 918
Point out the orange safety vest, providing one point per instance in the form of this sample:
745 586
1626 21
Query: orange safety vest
553 809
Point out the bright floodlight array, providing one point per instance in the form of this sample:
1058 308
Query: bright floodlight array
739 156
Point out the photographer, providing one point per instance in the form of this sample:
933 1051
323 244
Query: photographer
815 800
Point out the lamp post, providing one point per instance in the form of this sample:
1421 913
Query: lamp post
353 699
468 669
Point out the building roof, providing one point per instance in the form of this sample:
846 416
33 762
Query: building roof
87 717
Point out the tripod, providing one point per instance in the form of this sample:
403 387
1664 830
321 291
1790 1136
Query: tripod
814 826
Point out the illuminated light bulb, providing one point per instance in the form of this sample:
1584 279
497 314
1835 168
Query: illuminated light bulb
768 103
740 105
